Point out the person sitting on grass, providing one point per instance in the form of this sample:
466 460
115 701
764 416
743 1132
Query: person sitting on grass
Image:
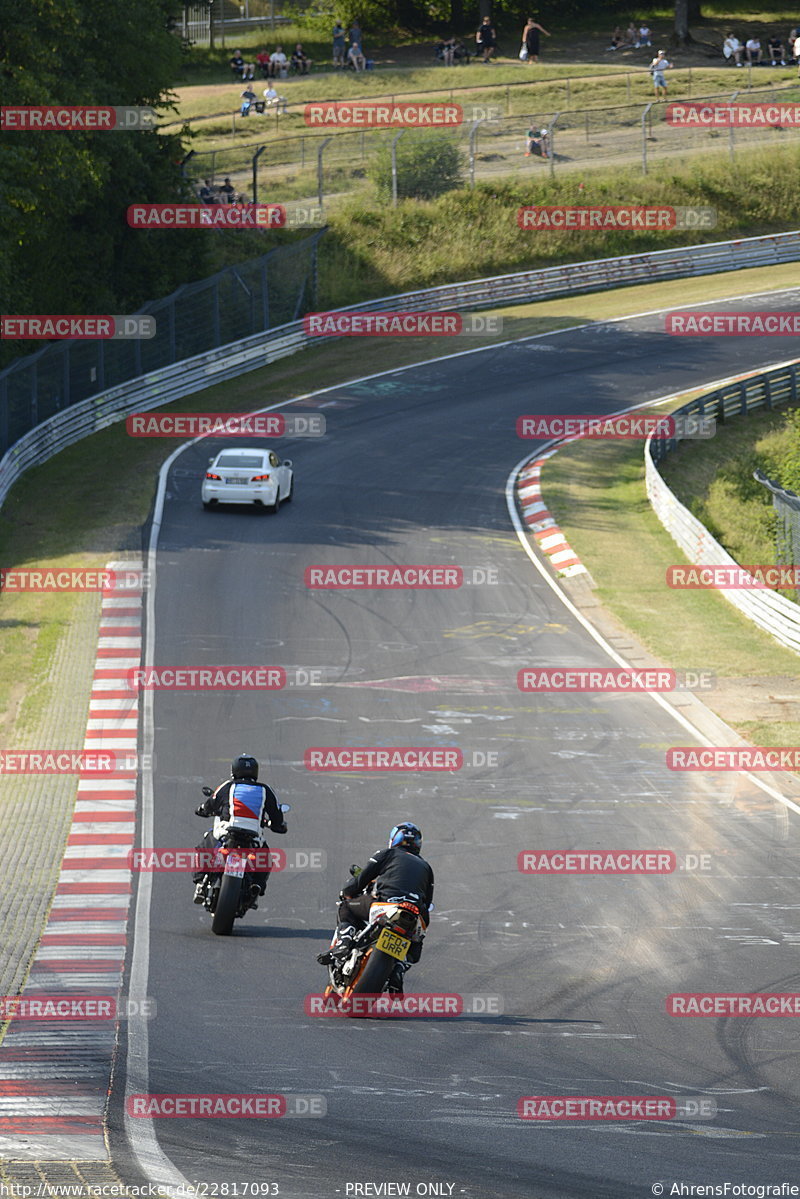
752 49
732 49
777 51
248 96
300 60
273 100
262 58
355 58
279 63
537 143
644 35
237 64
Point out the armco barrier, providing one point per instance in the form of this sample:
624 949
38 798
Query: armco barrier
777 615
226 362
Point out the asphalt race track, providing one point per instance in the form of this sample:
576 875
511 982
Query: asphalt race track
413 470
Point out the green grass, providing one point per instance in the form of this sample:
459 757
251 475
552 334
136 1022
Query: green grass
596 493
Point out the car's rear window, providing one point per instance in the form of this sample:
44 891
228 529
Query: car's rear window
244 461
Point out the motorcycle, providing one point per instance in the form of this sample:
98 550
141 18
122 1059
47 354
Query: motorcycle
393 926
227 892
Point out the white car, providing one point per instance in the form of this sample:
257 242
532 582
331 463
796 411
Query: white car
248 476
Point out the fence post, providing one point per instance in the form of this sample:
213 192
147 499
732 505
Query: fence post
552 151
256 157
568 104
731 137
265 292
233 124
320 152
473 139
628 85
395 140
690 83
586 118
645 115
508 101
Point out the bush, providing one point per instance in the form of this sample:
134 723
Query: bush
428 164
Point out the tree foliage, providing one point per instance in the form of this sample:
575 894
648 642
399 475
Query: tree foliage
64 195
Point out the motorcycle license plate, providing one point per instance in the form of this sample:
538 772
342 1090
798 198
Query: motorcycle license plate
396 947
234 865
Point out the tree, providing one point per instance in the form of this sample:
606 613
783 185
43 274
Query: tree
681 35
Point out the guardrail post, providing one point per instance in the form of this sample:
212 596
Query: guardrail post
256 157
215 311
320 152
101 365
645 116
395 140
473 139
34 417
793 373
767 392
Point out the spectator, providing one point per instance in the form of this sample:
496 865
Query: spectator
273 100
237 64
338 44
300 60
657 68
790 41
248 96
631 35
205 192
530 38
446 51
249 71
537 143
262 58
732 49
752 49
227 190
355 58
796 50
644 36
356 36
617 38
279 63
486 38
777 51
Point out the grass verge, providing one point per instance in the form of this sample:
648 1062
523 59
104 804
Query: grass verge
596 492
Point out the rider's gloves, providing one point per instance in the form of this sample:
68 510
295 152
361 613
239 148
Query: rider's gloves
278 828
201 811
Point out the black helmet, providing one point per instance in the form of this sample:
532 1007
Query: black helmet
244 767
406 835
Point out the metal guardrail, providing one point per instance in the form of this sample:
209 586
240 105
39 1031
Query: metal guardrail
777 615
227 362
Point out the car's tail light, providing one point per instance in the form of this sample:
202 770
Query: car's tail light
209 475
259 478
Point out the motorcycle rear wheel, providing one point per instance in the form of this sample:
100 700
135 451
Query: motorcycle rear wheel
230 892
375 975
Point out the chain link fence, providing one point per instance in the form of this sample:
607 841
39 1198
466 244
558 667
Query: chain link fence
237 302
321 167
786 505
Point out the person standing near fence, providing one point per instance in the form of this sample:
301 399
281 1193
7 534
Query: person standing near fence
338 44
530 39
657 68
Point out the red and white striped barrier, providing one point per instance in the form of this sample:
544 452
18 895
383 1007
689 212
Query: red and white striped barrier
540 522
55 1074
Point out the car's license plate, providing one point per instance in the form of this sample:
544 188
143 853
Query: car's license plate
396 947
235 865
236 479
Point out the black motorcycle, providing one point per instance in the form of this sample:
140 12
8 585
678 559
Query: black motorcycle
227 889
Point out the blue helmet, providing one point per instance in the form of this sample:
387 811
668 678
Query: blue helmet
406 835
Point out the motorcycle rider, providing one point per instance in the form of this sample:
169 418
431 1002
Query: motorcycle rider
239 802
399 871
